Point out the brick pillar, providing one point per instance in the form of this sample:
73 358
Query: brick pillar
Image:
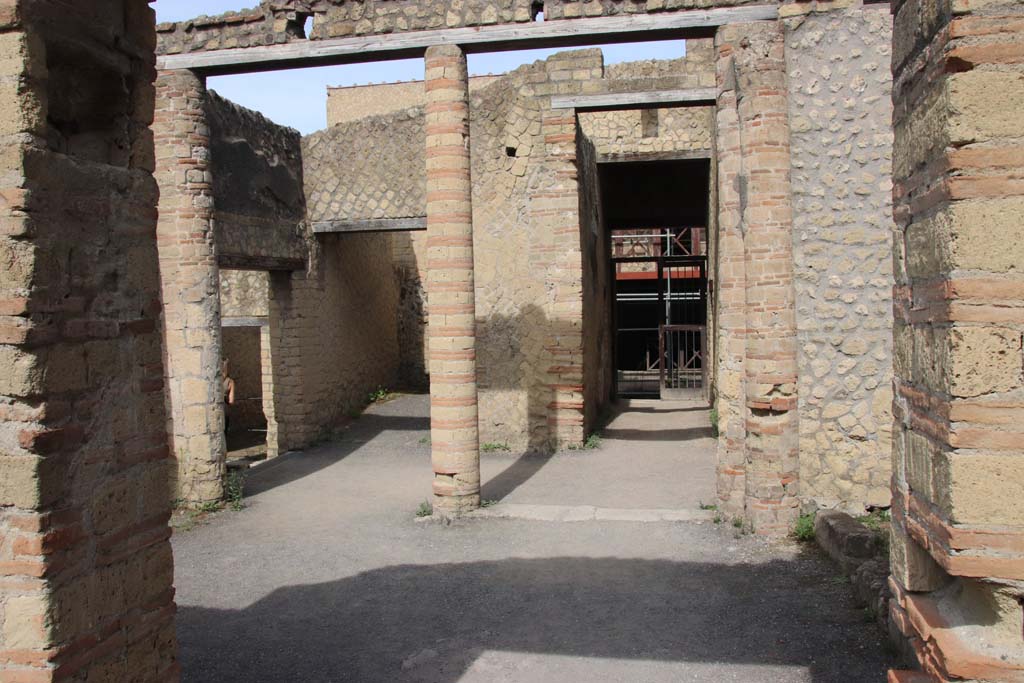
958 440
190 281
755 71
451 305
730 296
85 562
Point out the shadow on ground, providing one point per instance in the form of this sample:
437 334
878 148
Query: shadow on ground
292 466
434 622
681 435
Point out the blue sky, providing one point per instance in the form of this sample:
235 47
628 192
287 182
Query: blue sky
298 97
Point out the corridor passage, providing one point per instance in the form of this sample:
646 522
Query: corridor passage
327 575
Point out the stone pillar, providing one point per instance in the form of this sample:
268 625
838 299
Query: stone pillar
755 68
451 305
85 563
190 282
958 442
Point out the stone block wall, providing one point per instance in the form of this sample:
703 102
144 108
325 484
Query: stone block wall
348 104
332 336
244 293
85 565
650 131
258 197
958 484
841 155
676 129
528 259
367 169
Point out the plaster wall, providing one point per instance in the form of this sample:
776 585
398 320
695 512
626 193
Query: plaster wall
841 157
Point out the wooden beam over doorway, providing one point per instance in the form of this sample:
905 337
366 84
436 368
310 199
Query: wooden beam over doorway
692 97
497 38
371 225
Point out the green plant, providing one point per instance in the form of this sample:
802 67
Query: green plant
713 416
354 412
876 521
708 506
737 522
234 490
803 531
718 519
212 506
424 439
381 394
491 447
425 509
593 441
488 503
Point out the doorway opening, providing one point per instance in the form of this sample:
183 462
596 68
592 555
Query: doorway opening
246 366
657 215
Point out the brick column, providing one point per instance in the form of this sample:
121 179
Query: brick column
730 295
190 282
958 441
451 305
757 75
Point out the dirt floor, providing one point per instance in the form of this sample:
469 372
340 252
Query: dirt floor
327 575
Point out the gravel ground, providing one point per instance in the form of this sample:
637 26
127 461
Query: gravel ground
327 576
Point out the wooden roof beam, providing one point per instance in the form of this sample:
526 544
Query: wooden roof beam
497 38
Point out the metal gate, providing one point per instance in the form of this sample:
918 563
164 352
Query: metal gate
661 294
683 349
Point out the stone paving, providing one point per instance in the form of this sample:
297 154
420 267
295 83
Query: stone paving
327 576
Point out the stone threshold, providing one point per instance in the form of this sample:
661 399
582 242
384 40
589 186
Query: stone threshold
584 513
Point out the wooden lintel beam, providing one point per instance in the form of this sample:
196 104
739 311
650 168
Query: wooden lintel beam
693 97
500 37
250 262
371 225
633 157
244 321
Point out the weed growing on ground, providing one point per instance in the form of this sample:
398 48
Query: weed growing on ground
212 506
876 521
425 509
737 522
593 441
234 490
490 502
803 531
707 506
381 394
425 440
718 519
492 447
713 415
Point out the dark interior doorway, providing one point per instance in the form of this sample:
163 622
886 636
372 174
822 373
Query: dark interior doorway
657 216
